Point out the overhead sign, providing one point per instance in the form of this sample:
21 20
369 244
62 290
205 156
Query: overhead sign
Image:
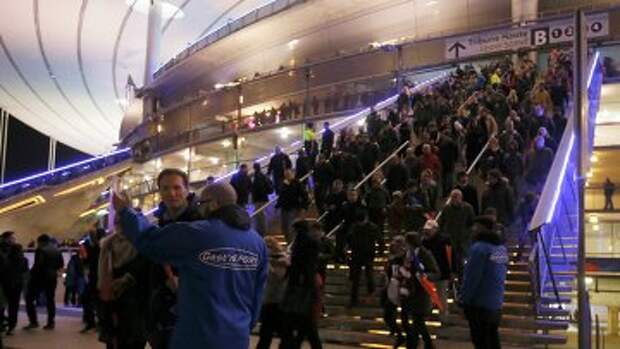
526 37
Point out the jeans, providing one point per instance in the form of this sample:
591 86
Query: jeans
260 222
416 330
483 327
287 217
442 292
270 323
35 287
355 273
13 295
296 329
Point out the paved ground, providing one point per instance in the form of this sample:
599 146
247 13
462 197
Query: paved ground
67 336
68 324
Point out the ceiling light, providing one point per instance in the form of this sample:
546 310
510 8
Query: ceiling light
590 174
226 143
596 227
284 132
158 163
292 44
594 158
431 3
167 9
593 219
361 122
214 160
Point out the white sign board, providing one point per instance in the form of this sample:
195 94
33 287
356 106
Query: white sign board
516 38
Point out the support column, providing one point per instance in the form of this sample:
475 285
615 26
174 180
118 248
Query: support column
612 321
399 68
51 158
4 126
581 133
306 109
153 41
523 11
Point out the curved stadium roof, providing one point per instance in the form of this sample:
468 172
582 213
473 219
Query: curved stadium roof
64 64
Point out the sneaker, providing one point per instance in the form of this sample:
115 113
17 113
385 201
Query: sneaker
49 326
31 326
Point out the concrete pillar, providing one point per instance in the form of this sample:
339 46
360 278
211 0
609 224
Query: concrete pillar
51 158
4 127
612 321
153 41
523 11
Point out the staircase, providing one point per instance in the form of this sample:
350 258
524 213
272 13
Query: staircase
522 325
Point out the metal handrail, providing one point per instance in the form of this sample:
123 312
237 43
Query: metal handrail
468 171
368 176
547 206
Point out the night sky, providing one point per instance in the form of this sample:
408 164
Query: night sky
27 152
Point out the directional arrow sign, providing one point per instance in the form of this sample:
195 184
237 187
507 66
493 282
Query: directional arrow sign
456 47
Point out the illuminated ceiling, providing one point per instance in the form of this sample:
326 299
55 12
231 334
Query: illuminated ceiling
64 64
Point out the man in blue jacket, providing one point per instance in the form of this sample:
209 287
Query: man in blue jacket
482 292
222 267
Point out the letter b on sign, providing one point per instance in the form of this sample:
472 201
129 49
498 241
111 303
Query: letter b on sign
540 36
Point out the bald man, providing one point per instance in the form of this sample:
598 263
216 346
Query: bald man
222 265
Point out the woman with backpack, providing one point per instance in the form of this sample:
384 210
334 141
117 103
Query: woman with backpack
415 275
390 297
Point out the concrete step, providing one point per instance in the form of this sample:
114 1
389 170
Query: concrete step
381 338
349 323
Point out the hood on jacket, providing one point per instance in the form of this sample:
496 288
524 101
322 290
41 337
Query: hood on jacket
232 215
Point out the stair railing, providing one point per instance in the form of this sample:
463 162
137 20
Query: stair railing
556 214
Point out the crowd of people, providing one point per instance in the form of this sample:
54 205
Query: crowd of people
199 277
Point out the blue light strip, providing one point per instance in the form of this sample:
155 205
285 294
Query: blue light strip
558 183
571 143
593 69
64 168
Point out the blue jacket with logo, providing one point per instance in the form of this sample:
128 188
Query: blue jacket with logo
222 267
485 273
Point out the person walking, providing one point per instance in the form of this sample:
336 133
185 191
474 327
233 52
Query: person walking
278 163
293 199
262 187
441 248
43 279
482 291
608 189
222 264
362 239
416 302
271 321
12 277
302 303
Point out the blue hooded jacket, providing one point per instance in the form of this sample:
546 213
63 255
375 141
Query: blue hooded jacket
222 267
485 273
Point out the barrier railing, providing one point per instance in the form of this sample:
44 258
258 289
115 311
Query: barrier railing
556 215
63 174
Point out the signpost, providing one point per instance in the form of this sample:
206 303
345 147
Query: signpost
542 34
